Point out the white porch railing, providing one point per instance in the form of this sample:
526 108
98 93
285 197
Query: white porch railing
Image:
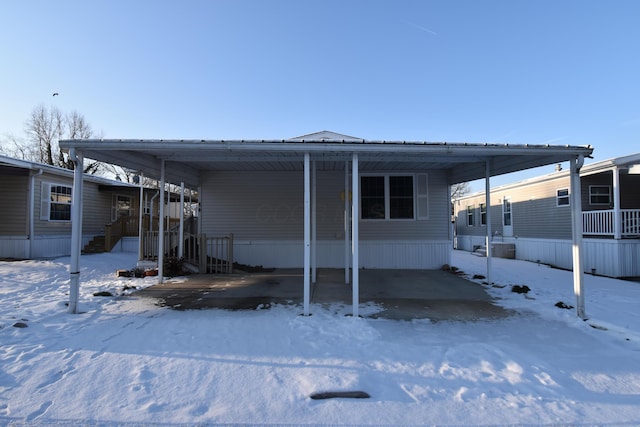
210 254
602 223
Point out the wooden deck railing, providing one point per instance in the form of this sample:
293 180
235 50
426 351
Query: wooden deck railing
602 223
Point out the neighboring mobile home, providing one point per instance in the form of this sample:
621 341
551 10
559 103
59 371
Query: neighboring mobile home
35 216
531 219
324 199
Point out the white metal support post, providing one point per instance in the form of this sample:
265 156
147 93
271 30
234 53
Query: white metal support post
161 225
347 250
617 213
355 240
314 225
76 231
181 232
140 218
487 194
307 234
576 222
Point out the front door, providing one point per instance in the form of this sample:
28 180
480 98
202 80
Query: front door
507 220
121 206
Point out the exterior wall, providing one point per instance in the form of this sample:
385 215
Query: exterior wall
95 214
50 238
605 178
14 219
542 229
629 191
534 212
607 257
265 213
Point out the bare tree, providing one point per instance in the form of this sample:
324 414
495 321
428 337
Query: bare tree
45 127
459 190
16 147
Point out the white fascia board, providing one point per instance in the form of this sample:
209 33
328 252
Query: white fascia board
320 146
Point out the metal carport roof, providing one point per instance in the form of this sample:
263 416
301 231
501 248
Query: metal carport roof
185 159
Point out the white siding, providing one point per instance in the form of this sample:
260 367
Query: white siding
373 255
14 247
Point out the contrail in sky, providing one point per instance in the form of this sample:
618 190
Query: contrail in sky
420 27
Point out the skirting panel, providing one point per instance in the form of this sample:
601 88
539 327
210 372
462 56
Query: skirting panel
14 247
391 255
606 257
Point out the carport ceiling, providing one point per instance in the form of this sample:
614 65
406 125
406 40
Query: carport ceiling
186 159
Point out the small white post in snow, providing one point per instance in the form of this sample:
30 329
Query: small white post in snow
355 242
576 222
307 234
76 231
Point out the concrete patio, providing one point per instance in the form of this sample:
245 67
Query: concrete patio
402 294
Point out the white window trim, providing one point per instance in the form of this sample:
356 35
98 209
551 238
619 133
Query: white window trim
417 216
504 212
483 224
470 210
568 197
45 201
591 195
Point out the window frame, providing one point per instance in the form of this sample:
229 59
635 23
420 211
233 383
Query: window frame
483 214
419 200
470 214
116 211
592 195
46 201
566 197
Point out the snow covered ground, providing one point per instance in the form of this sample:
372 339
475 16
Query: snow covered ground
128 362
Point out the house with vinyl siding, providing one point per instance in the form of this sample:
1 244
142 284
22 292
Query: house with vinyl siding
35 216
322 200
531 219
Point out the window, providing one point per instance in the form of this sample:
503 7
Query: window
599 195
562 197
401 197
55 202
393 197
121 206
470 216
483 214
506 212
373 197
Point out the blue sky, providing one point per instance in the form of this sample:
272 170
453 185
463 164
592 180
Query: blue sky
521 72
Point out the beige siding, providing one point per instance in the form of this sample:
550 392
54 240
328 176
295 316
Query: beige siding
269 206
14 212
44 227
96 208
